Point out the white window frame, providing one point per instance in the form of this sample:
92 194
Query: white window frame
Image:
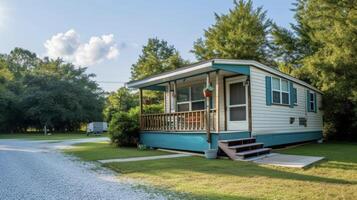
312 102
280 91
189 101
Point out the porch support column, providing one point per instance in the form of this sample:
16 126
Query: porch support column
218 103
169 118
175 96
141 106
169 97
249 106
208 109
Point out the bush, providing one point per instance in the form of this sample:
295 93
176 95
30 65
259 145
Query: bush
124 128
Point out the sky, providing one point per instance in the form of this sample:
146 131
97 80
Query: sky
107 36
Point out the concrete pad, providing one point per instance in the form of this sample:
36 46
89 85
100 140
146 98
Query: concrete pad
143 158
285 160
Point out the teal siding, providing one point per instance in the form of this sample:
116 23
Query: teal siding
292 94
315 102
308 101
288 138
192 141
268 90
242 69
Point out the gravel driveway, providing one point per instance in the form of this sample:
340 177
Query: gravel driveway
35 170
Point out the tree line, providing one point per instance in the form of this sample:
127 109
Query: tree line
36 92
319 48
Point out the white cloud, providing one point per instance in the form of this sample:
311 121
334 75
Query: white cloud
68 46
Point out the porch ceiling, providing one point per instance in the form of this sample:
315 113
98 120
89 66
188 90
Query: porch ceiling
191 72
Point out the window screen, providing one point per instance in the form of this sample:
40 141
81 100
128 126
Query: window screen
237 113
237 94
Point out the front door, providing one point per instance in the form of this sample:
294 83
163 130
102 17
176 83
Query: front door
237 104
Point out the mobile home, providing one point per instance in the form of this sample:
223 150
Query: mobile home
249 100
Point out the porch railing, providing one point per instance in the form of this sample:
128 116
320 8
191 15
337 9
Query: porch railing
177 121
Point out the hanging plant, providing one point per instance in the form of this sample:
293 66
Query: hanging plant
207 91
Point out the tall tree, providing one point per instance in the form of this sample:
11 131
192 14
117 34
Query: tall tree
35 92
120 101
322 49
240 34
157 56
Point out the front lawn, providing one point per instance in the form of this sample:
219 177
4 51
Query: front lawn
41 136
335 178
103 150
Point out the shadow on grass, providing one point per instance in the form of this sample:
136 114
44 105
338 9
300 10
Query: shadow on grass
216 168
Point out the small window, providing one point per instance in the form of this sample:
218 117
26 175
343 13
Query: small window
281 91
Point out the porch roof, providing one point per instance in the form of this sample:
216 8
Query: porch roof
230 65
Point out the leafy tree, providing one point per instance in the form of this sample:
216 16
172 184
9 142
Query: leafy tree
35 92
157 56
240 34
322 50
120 101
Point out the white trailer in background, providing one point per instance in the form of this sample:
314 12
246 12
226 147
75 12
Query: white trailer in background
97 127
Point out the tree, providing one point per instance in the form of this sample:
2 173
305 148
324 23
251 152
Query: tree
120 101
36 92
157 56
325 39
333 67
240 34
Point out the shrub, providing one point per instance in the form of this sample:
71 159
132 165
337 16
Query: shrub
124 128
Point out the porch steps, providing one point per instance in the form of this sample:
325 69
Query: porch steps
242 149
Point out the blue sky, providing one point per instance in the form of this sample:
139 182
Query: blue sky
126 25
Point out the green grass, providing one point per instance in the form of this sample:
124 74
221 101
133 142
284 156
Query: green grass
38 136
103 150
334 178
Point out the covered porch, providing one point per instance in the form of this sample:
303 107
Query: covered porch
191 121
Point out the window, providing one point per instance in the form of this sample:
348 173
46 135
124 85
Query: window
312 102
190 98
281 91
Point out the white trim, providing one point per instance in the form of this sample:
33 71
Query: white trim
266 68
242 124
280 91
206 67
